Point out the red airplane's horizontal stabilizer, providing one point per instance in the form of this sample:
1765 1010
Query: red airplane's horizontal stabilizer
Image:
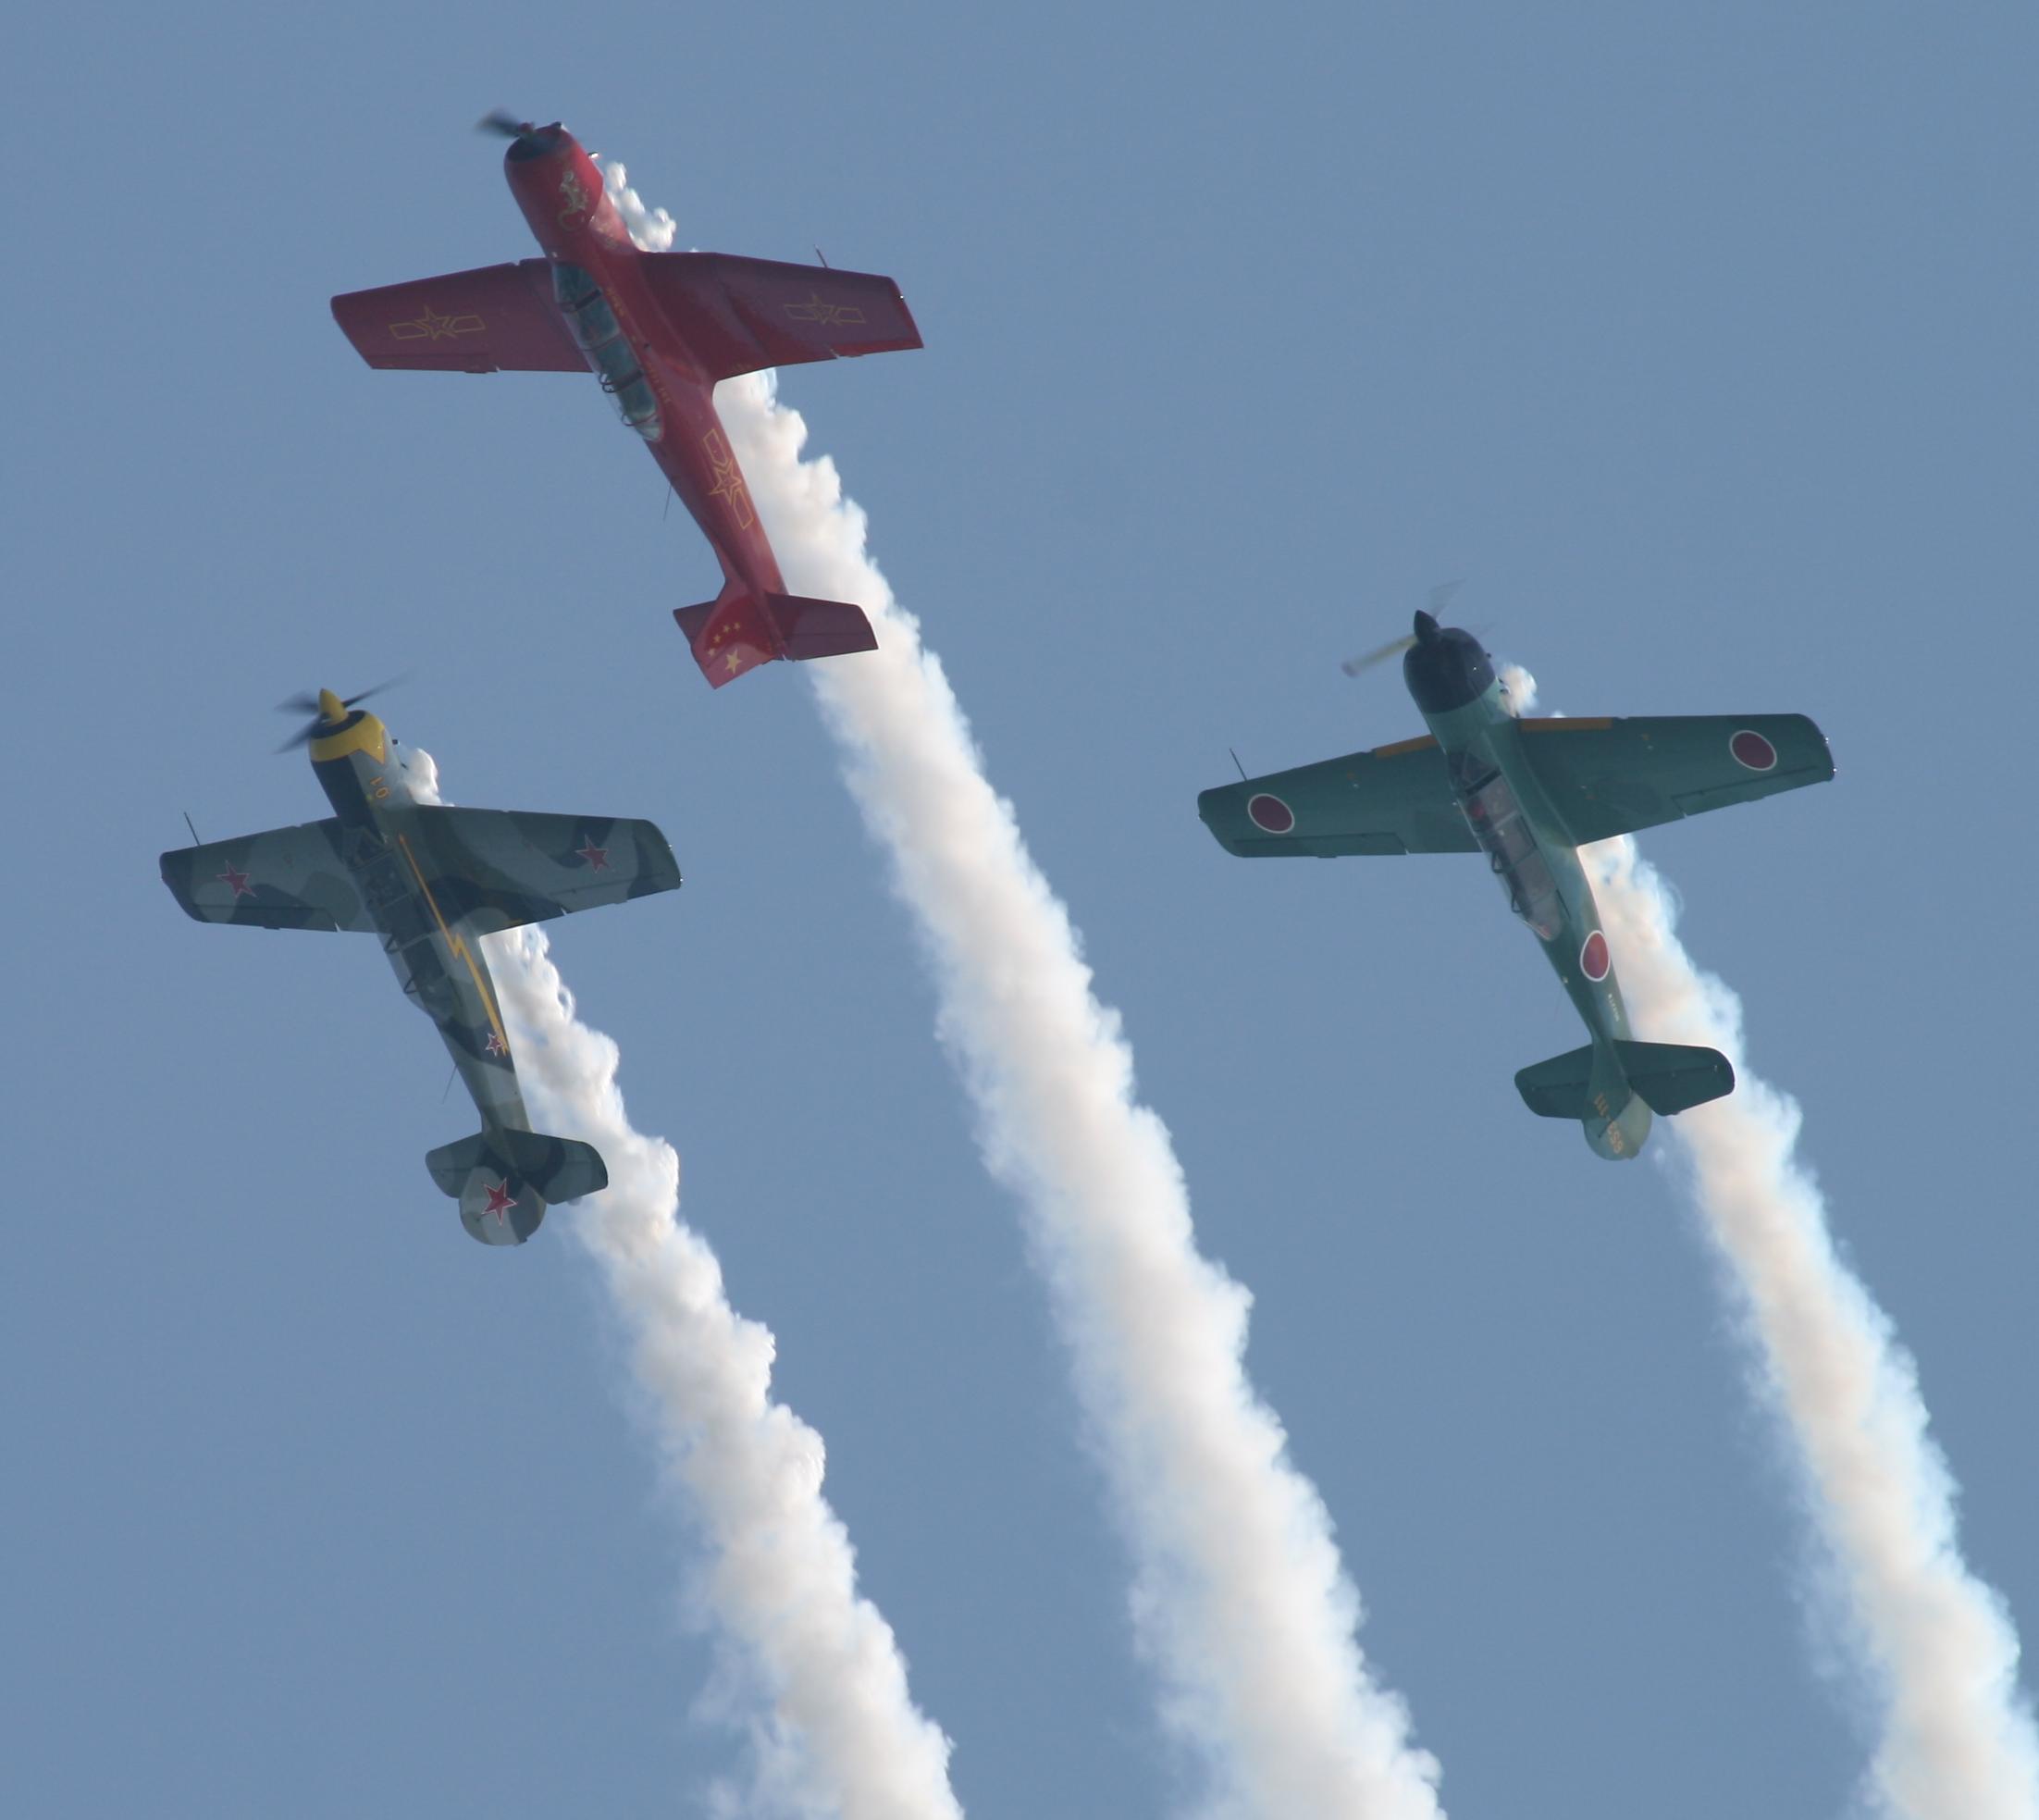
818 628
738 632
738 315
495 319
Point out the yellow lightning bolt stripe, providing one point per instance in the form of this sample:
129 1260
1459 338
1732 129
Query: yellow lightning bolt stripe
459 947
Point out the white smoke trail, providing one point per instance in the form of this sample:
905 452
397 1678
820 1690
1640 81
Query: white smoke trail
842 1735
1957 1743
1239 1601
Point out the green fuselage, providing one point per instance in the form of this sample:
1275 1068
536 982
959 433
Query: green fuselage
1526 844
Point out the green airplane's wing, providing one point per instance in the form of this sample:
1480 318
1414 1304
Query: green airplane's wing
498 868
1607 777
287 878
1396 800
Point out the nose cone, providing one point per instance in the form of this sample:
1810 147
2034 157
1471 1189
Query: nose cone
535 143
1445 668
560 190
331 709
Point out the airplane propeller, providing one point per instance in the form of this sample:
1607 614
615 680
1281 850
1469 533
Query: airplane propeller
500 119
306 702
1353 666
1441 597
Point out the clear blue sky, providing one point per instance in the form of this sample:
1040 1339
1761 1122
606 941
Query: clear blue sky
1699 340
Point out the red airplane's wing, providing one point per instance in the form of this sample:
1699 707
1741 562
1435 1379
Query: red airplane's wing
738 315
497 319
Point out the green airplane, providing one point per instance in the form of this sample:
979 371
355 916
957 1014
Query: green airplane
1529 794
429 880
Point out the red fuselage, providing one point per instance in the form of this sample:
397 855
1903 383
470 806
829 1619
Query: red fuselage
658 330
560 189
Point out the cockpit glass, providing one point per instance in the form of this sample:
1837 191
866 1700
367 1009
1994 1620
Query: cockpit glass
607 350
1498 824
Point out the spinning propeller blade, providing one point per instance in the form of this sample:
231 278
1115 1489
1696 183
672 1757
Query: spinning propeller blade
1441 598
316 705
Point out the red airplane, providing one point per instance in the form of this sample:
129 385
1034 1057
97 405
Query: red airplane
658 330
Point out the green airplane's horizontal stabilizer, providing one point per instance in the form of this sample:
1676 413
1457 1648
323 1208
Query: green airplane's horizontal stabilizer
1556 1089
1673 1077
562 1169
1669 1077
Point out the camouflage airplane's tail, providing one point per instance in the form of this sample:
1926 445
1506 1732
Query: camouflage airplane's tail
1612 1091
503 1180
737 630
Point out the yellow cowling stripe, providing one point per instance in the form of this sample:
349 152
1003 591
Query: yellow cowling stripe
366 735
459 948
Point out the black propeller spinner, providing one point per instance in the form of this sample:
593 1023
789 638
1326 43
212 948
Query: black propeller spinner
500 119
1441 597
527 141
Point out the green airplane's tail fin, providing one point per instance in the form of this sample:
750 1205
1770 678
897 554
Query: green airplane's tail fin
1667 1077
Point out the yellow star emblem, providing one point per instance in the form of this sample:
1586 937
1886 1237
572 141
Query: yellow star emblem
729 483
828 315
435 326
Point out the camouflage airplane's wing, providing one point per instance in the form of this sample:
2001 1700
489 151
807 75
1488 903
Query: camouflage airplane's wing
1607 777
287 878
495 319
738 315
1396 800
498 868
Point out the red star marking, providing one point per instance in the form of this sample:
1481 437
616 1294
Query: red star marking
596 857
495 1045
500 1200
238 881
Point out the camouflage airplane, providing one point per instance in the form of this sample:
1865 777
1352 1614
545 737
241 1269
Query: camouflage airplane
1528 794
429 880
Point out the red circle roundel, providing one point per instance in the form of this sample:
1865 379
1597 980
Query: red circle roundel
1750 749
1271 813
1593 956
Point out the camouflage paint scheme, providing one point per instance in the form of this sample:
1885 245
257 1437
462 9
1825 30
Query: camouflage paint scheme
430 880
1529 793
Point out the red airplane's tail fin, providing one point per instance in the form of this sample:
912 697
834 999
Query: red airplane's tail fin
737 632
